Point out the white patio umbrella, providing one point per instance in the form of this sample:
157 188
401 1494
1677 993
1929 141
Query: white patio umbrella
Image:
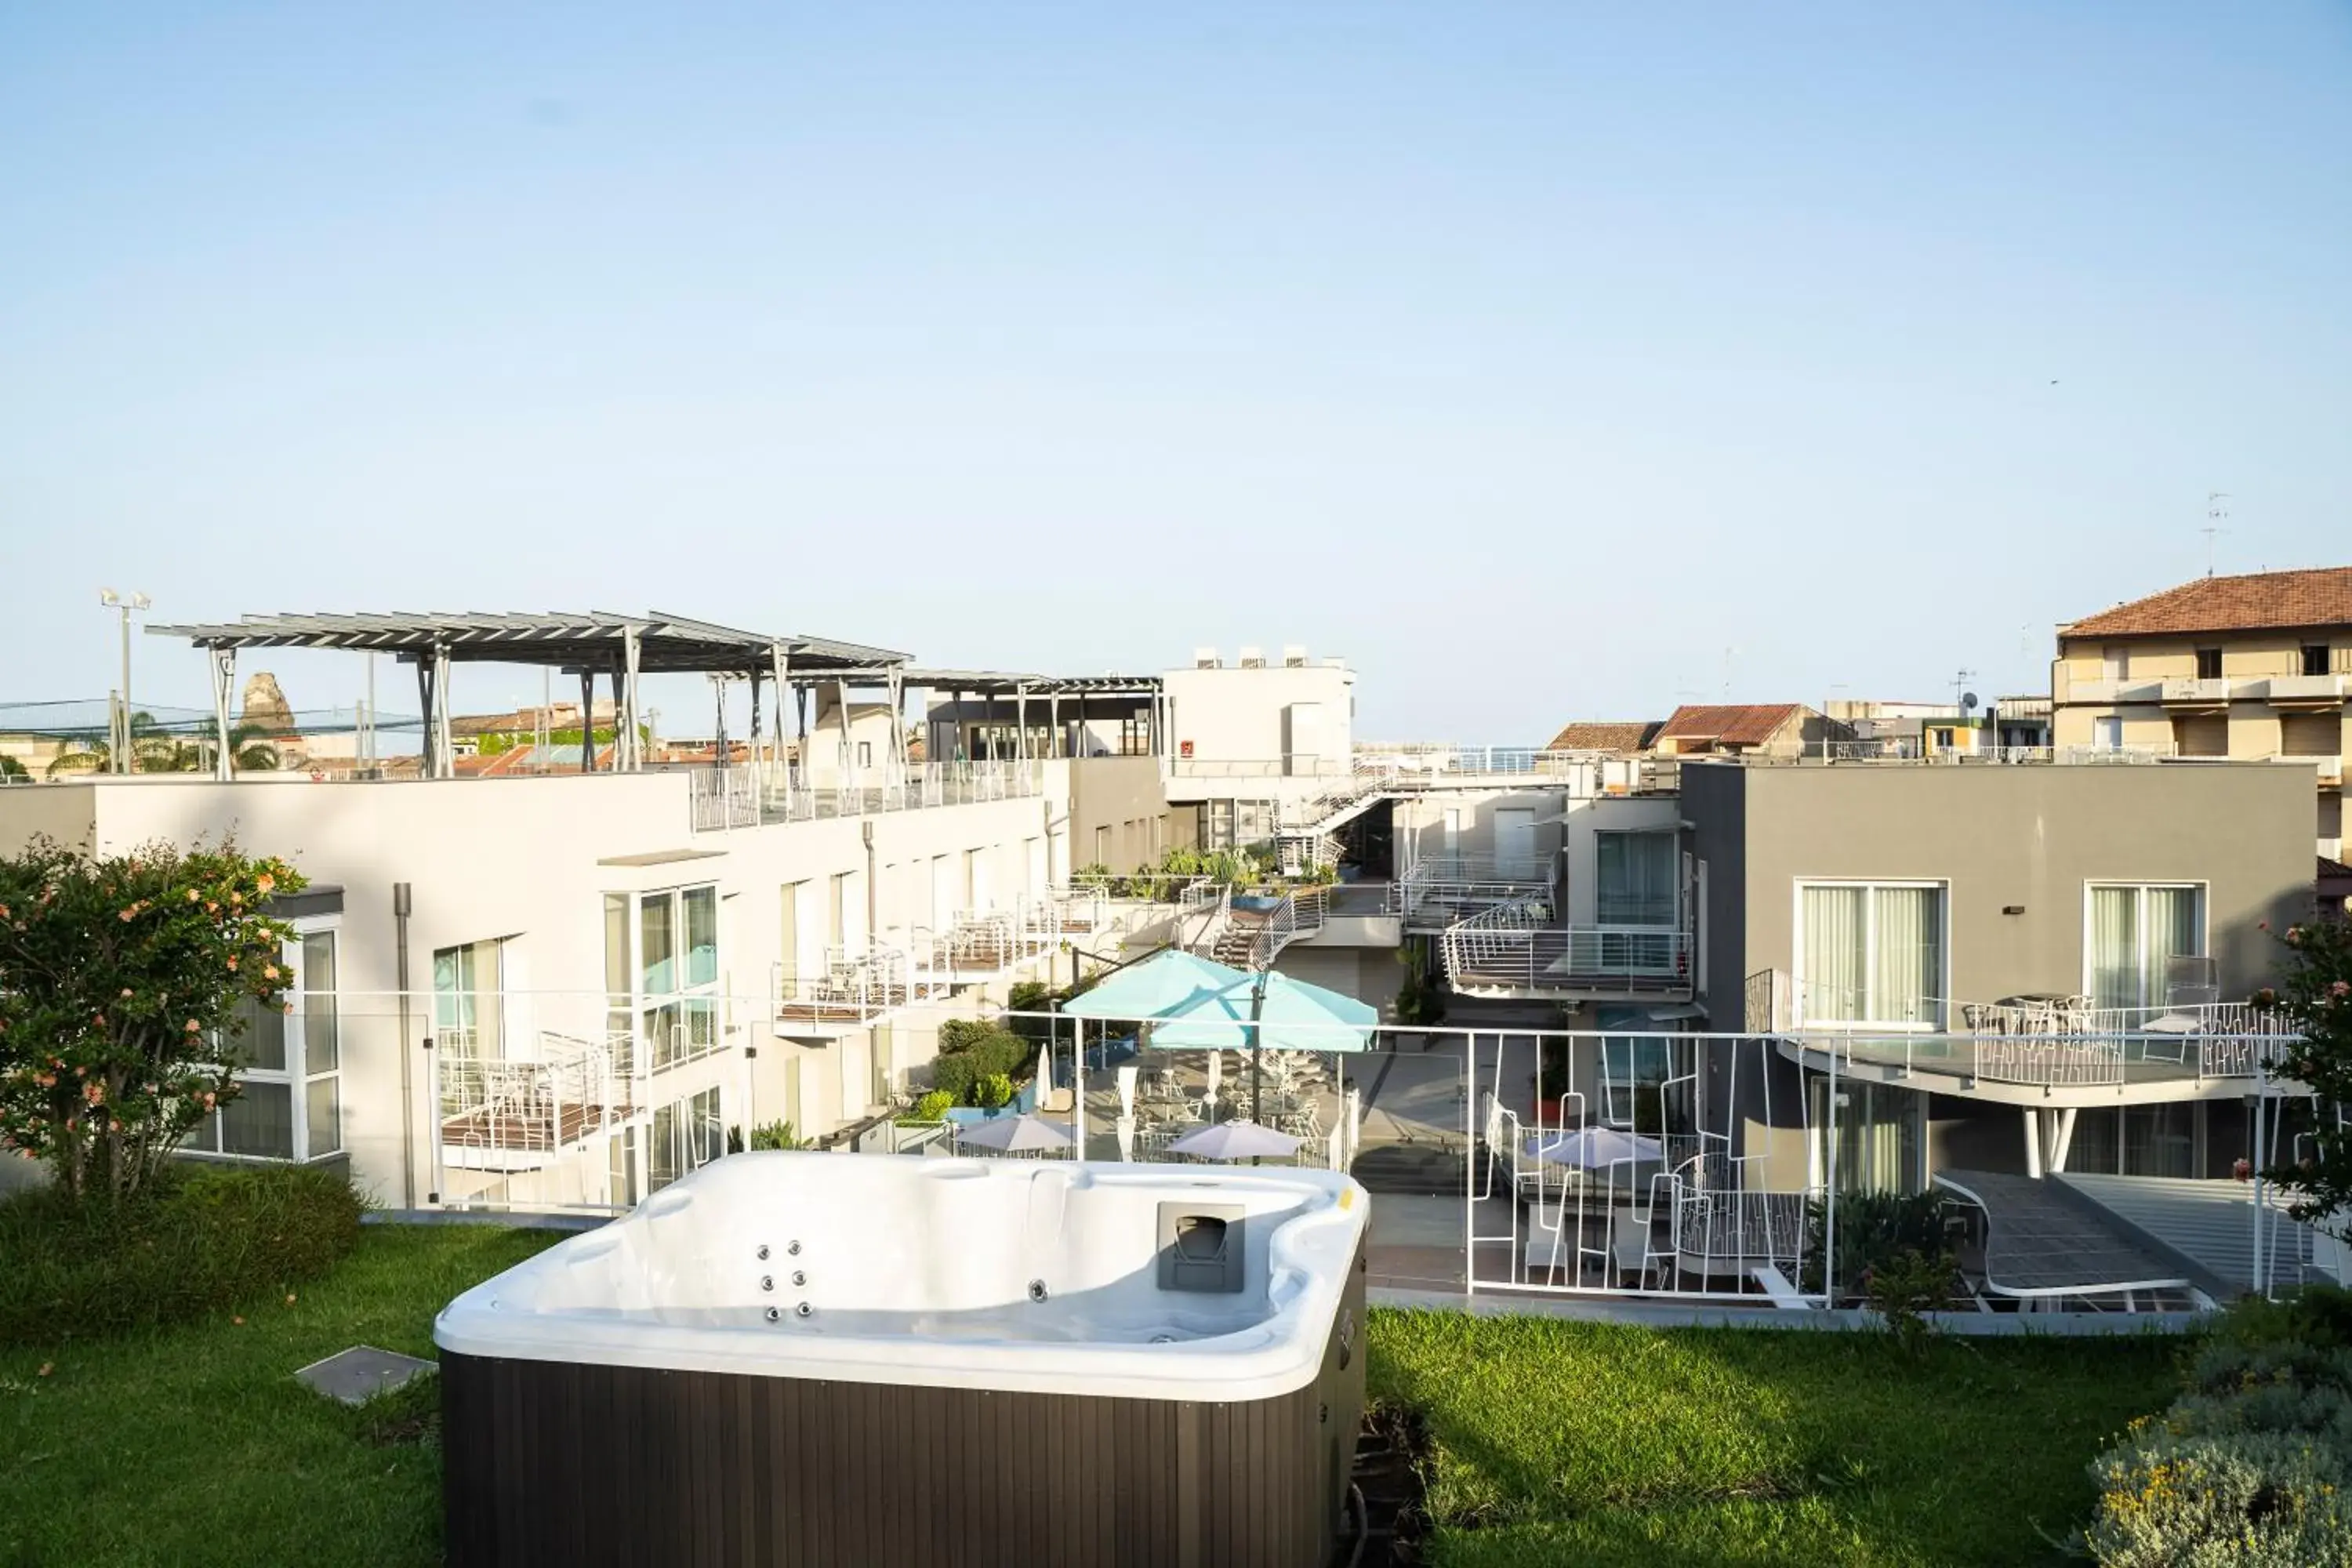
1044 1073
1236 1140
1016 1135
1594 1148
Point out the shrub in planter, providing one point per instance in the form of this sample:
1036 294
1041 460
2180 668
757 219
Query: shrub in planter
193 1241
777 1135
932 1106
994 1091
971 1051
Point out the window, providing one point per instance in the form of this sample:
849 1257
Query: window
1878 1140
2201 735
290 1096
688 1134
2107 734
864 754
2315 658
1634 1071
2136 933
1871 953
668 987
1636 878
2209 664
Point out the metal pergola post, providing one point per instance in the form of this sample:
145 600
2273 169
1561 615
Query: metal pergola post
781 662
441 711
848 752
223 663
625 758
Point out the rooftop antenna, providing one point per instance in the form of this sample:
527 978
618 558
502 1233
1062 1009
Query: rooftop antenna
2217 512
1962 697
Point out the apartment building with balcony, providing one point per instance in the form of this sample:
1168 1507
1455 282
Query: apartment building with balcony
571 985
2250 666
2017 967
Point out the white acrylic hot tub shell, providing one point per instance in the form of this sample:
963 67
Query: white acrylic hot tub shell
918 1271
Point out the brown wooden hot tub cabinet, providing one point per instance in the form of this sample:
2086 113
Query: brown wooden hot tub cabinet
563 1463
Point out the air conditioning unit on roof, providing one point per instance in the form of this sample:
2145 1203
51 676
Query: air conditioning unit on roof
1293 657
1252 658
1206 659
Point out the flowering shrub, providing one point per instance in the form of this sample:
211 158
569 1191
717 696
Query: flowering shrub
2314 995
2250 1500
2253 1466
119 982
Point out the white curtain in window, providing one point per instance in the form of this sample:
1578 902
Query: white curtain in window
2114 947
1904 979
2171 929
1833 953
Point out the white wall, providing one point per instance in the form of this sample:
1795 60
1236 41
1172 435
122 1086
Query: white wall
1235 715
528 860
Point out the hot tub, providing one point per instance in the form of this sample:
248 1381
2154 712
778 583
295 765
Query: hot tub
837 1359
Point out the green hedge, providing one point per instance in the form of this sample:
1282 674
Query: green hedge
211 1239
973 1052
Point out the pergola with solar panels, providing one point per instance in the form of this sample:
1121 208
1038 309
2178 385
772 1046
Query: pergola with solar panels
597 645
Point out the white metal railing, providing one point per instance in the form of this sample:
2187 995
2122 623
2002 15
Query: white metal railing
1515 947
1300 913
2112 1047
976 945
509 1115
852 986
1440 890
724 797
1907 751
748 795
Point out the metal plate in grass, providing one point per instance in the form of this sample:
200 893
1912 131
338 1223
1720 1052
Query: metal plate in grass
361 1372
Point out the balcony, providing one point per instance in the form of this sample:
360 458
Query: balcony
1440 890
2118 690
1515 951
2189 693
2330 769
753 794
2314 691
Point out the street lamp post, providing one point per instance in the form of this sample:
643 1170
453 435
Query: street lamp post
123 603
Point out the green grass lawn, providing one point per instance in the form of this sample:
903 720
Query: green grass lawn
1555 1442
1593 1444
196 1445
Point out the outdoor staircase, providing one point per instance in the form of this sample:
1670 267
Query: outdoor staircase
1408 1170
1234 945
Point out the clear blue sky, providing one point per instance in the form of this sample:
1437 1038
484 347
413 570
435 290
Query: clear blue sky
1529 356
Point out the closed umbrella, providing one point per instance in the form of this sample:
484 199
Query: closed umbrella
1016 1135
1236 1140
1044 1074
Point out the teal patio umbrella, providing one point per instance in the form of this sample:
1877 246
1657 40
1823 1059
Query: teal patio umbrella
1155 988
1291 1016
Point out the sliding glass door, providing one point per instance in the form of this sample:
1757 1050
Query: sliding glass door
2135 929
1871 953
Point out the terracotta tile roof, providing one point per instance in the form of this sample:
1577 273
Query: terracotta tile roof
1737 724
2334 871
2260 600
1604 735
